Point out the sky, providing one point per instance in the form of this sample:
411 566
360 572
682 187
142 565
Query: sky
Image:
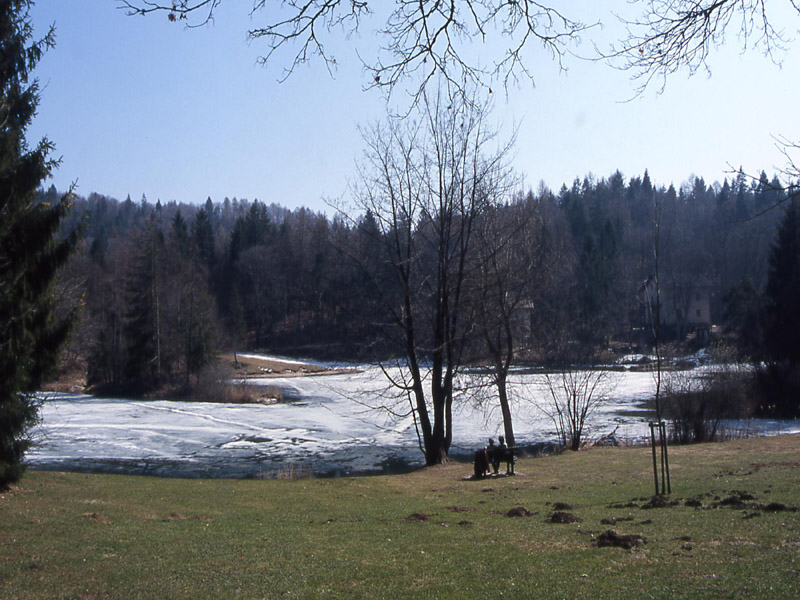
142 106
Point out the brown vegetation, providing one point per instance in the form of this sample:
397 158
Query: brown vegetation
224 381
263 367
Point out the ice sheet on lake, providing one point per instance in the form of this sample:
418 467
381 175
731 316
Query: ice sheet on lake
332 425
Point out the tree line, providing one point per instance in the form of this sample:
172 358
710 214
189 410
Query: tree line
165 286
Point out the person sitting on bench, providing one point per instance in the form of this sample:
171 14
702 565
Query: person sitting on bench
498 453
482 463
502 453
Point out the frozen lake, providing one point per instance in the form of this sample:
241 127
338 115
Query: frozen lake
335 424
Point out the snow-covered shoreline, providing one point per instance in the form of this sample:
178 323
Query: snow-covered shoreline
333 425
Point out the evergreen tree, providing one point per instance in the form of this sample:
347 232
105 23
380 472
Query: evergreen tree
144 350
189 306
180 234
195 322
203 234
742 317
783 290
782 335
30 252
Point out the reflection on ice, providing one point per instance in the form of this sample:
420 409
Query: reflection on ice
335 427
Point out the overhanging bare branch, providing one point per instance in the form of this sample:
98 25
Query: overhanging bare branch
675 35
419 39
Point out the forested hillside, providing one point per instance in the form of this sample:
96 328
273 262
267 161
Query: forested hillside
164 287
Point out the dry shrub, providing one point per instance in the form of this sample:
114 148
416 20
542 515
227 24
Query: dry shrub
292 471
216 385
287 471
697 405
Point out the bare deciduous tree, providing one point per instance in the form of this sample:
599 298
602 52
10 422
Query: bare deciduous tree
513 260
576 393
425 181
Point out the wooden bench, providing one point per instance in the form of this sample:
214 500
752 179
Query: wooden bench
488 459
506 455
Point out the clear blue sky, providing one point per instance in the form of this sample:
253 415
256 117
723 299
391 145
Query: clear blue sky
139 105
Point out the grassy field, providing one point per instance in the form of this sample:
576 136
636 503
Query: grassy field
727 532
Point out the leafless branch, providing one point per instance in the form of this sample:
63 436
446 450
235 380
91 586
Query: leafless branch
179 10
672 35
790 172
420 39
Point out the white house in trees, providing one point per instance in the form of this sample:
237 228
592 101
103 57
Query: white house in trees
684 308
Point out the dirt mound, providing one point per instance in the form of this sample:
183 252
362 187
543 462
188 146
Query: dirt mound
563 517
615 520
739 500
417 517
519 511
562 506
732 501
611 538
659 502
778 507
460 509
743 495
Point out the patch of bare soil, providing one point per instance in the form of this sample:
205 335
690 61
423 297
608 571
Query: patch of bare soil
775 464
97 517
660 502
778 507
70 379
731 499
174 517
615 520
418 517
739 500
611 538
519 511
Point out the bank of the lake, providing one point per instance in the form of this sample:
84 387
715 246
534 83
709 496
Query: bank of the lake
728 531
332 424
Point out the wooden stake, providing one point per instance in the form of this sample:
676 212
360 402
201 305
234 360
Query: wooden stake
655 462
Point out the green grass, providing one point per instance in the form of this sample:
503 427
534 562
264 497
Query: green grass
428 534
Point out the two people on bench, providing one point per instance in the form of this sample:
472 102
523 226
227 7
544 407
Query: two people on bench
493 455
